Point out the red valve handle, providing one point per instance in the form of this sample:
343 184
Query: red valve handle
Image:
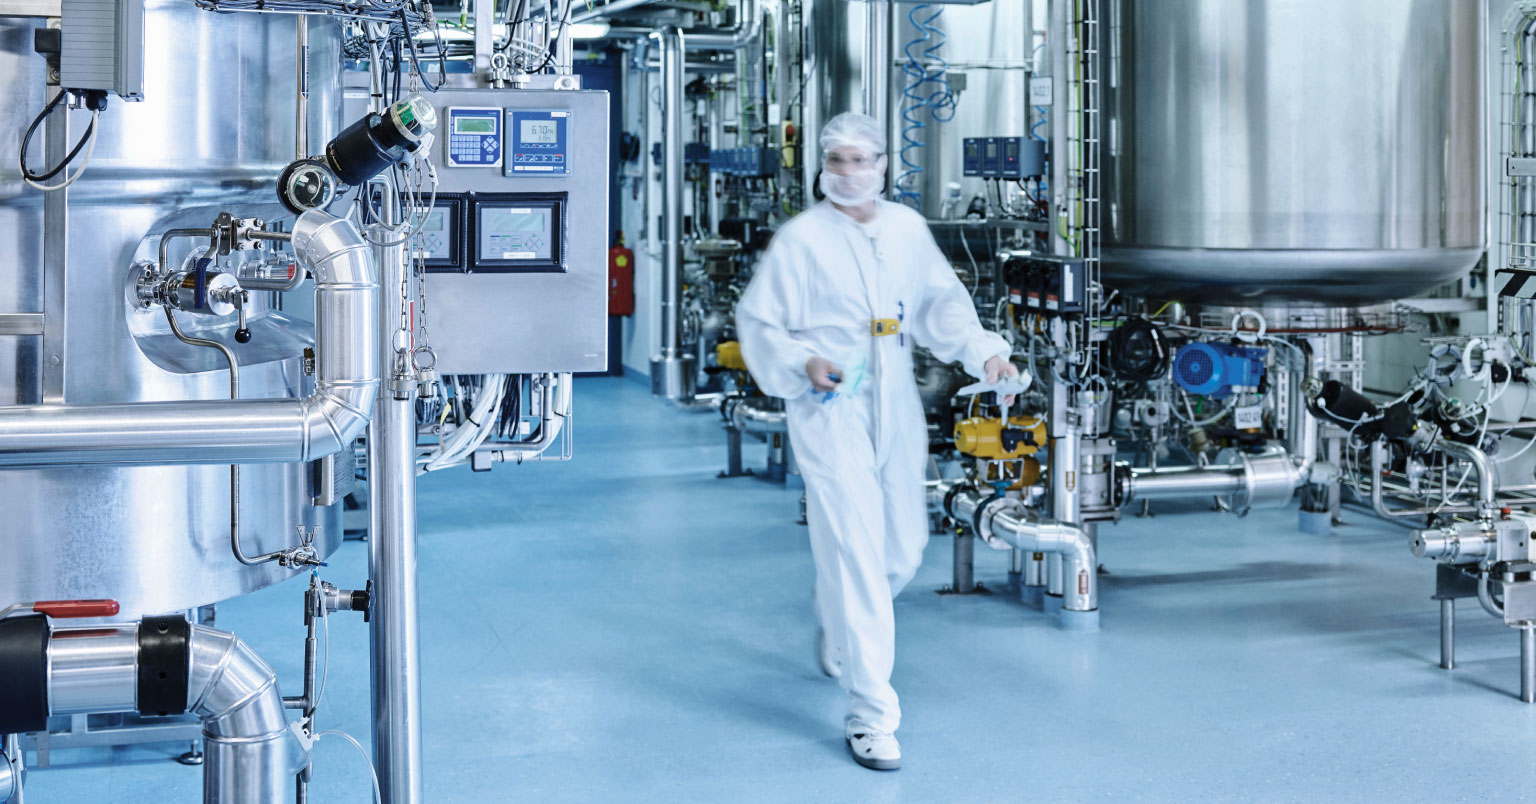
65 609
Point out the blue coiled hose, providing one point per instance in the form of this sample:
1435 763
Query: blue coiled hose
939 103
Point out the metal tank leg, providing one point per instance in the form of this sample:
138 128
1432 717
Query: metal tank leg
1448 633
732 453
964 582
1528 663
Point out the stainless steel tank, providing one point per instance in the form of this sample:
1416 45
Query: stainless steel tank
216 125
986 46
1305 149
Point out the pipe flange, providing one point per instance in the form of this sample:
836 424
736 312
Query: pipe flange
985 514
165 663
949 498
1237 501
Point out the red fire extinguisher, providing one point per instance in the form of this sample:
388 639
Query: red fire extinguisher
621 279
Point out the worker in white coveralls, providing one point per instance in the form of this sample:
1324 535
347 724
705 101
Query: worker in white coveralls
828 323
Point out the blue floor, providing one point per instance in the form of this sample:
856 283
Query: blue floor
628 628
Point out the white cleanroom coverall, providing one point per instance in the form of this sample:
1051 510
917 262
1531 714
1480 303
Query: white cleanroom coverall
824 278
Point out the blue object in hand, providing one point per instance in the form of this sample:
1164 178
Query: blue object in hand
829 394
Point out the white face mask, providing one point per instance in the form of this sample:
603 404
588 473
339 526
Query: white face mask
853 189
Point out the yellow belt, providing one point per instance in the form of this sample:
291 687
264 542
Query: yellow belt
884 326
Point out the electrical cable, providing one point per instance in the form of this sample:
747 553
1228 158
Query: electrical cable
90 143
26 142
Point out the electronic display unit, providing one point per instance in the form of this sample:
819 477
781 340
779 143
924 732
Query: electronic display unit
518 233
991 158
474 136
440 238
538 142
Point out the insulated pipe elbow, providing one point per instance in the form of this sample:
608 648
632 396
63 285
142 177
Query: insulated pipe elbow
346 311
749 418
251 755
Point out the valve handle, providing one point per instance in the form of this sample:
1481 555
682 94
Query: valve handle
200 283
66 609
243 334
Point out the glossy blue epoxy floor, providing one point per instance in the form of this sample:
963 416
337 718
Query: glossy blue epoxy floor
626 627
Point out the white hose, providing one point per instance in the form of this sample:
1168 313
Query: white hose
464 440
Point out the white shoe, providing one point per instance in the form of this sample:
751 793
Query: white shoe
829 663
876 750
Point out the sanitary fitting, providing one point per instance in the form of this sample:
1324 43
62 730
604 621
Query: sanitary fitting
1458 543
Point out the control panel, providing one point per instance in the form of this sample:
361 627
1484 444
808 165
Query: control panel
516 248
538 142
474 136
1003 157
519 232
439 241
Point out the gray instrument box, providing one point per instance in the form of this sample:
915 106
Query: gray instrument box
517 278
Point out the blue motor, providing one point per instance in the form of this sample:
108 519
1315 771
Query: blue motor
1214 369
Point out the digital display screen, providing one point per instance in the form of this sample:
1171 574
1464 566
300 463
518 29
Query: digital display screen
538 131
433 238
474 125
970 149
991 149
516 233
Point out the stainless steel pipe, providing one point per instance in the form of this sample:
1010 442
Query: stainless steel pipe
1244 481
749 417
1185 481
244 431
395 650
93 671
669 369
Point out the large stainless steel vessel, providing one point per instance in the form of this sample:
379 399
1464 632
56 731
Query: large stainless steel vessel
1305 149
216 126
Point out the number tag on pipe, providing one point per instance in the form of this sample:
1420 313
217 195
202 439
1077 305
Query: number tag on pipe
1248 418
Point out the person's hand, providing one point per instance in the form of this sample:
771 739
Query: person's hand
997 369
824 374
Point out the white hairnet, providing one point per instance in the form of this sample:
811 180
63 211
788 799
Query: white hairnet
857 130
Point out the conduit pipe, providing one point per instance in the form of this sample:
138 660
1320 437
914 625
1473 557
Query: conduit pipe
251 754
1243 481
749 25
669 368
239 431
1002 517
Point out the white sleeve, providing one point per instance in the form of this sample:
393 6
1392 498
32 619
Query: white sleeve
945 319
774 356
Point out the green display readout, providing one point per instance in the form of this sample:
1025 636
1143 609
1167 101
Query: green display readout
474 125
